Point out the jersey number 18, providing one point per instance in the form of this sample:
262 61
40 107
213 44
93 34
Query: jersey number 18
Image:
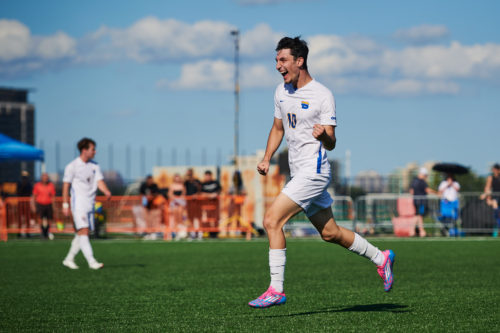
292 120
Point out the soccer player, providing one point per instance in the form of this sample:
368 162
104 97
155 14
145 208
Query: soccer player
305 115
85 177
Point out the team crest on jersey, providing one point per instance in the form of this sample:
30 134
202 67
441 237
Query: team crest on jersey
305 105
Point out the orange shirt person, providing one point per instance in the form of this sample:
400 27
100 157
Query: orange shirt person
42 201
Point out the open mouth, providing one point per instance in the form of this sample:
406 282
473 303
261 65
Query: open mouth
284 73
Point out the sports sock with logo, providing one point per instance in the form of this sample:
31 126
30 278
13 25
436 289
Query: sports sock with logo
362 247
277 260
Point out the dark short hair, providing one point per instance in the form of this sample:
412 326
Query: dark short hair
85 144
298 48
208 172
496 166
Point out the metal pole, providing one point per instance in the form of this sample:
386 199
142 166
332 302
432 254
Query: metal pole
236 35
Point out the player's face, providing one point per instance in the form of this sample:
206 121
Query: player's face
45 178
288 67
89 153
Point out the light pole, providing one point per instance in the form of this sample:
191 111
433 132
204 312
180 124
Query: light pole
236 35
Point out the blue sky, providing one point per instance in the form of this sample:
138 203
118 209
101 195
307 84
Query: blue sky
413 81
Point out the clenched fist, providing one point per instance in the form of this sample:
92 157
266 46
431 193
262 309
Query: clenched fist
263 167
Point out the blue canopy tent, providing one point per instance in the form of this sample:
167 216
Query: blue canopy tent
11 149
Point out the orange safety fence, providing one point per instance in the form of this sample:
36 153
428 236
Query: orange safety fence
178 217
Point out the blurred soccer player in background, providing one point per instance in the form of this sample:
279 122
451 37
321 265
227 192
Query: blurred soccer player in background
305 115
84 176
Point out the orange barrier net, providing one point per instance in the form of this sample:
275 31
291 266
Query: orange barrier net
180 217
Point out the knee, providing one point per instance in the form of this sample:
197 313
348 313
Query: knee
270 223
331 235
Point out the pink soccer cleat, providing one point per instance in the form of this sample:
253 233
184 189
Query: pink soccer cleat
385 270
269 298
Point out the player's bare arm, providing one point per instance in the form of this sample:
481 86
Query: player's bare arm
273 143
65 195
104 189
325 134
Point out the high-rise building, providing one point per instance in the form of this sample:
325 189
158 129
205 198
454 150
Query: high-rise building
17 120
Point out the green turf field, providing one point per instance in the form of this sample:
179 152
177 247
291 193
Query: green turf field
440 286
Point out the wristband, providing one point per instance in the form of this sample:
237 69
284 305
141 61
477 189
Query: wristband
65 205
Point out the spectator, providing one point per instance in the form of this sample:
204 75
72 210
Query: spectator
155 213
24 190
420 189
152 212
210 190
148 187
492 194
42 201
193 187
448 190
176 194
237 198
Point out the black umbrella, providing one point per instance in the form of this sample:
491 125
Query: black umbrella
452 168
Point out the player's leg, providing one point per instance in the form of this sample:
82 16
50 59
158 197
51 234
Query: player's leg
324 222
87 251
69 261
281 210
83 222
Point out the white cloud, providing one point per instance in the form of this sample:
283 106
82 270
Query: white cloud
21 52
260 41
205 50
15 40
219 75
422 34
59 45
205 75
153 40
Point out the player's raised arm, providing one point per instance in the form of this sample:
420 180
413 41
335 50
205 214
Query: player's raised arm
325 134
273 142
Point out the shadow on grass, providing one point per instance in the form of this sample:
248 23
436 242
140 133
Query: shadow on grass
383 307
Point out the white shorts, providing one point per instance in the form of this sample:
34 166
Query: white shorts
83 219
309 192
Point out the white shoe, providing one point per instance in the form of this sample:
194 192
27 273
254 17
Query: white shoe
70 264
96 265
51 236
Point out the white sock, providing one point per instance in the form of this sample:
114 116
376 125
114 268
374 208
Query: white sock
277 260
74 249
86 248
362 247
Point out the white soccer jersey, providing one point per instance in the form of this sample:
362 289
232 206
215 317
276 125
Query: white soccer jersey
299 110
83 178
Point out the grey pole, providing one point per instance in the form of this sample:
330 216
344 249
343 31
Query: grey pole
236 35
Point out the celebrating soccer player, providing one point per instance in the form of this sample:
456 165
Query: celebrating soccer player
305 115
84 176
